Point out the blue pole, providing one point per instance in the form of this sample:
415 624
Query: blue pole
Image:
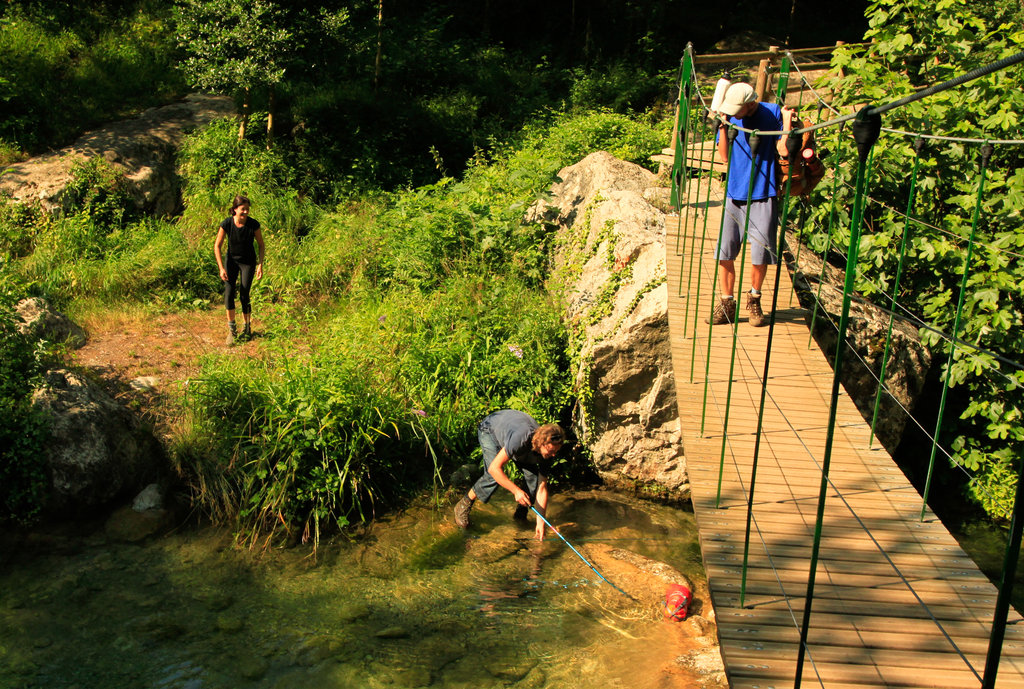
587 562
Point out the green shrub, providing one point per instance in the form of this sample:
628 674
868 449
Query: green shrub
23 431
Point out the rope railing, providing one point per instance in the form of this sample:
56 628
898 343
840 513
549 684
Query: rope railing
694 125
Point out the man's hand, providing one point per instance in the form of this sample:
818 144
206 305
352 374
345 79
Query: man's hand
522 497
539 531
787 118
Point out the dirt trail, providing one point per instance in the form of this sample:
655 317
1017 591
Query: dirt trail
143 360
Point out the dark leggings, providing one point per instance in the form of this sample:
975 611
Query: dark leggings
236 271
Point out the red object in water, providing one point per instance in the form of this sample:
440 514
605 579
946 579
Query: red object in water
677 601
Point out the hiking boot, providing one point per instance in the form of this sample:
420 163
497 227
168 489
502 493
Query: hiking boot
232 334
725 312
246 332
754 312
462 512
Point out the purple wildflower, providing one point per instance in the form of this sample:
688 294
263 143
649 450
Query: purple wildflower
419 412
382 319
517 352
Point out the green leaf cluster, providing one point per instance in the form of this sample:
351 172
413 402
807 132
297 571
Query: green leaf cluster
915 45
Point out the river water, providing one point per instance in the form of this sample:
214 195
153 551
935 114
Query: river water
410 602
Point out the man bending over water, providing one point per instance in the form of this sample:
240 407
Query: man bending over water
510 434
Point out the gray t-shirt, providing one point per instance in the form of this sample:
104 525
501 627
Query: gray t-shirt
513 430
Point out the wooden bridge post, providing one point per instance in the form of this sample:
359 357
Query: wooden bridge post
762 72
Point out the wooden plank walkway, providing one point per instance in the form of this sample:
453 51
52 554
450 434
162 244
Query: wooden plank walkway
867 628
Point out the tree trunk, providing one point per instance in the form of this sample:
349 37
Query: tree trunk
380 40
270 116
245 115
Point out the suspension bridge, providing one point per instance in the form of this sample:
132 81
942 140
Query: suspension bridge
824 565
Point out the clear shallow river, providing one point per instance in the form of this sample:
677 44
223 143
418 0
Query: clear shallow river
412 602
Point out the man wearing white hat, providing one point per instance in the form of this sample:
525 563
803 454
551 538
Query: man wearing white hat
740 104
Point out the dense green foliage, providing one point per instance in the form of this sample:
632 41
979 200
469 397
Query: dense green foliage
22 428
401 332
918 45
65 67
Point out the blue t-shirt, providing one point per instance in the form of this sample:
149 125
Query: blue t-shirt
767 117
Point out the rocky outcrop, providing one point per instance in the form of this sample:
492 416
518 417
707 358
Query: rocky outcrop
610 273
143 149
98 450
909 361
40 321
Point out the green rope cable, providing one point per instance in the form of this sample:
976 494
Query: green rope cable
918 145
754 143
986 153
694 298
865 129
803 217
684 61
681 178
995 644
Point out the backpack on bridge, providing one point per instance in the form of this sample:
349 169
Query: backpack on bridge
808 169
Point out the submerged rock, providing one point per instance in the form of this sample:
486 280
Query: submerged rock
392 633
132 526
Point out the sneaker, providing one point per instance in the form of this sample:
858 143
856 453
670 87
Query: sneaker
462 512
755 314
725 312
232 334
246 332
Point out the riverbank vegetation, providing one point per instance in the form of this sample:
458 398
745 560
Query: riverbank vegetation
391 150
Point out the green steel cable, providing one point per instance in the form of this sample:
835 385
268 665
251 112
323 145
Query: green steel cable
693 239
918 145
754 142
865 130
986 153
700 260
792 150
730 134
824 253
995 644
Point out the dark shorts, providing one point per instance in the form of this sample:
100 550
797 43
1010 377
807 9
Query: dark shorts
486 485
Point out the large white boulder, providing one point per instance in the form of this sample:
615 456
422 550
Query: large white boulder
610 273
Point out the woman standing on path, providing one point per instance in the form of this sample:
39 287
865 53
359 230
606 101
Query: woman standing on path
242 265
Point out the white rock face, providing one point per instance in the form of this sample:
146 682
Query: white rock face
610 273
